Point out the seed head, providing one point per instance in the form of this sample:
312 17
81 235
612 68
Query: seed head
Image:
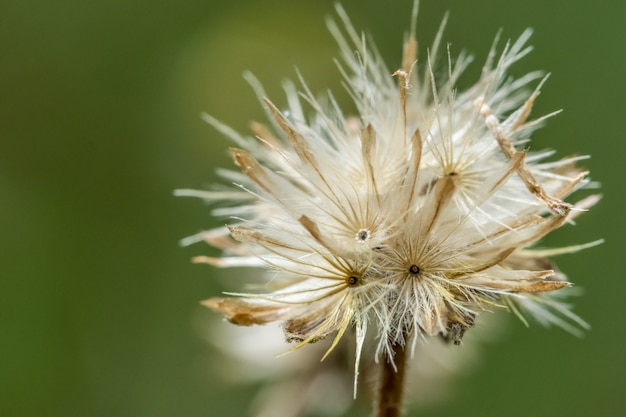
408 219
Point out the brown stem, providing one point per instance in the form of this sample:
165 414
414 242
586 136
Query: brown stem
390 389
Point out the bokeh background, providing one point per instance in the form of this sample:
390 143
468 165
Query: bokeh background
100 106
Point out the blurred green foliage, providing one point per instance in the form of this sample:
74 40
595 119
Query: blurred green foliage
99 122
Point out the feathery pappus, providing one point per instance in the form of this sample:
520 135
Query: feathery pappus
405 220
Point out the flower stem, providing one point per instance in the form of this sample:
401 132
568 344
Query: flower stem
389 396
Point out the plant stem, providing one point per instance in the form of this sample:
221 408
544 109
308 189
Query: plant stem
389 396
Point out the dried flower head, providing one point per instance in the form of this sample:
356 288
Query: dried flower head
408 220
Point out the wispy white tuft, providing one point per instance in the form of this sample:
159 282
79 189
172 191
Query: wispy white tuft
409 219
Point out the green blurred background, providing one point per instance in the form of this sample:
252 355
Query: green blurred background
99 122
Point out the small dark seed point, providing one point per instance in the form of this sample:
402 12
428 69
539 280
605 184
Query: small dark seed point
362 235
414 269
353 280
